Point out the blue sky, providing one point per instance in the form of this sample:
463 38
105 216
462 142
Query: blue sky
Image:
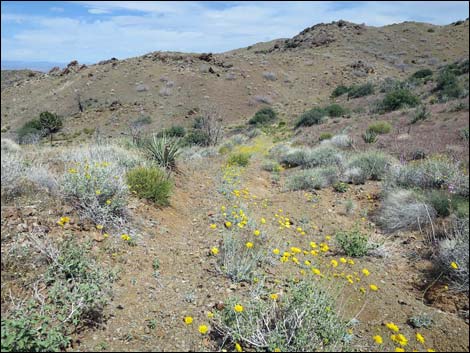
89 31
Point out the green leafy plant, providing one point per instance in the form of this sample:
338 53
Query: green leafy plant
311 117
150 183
263 116
398 99
340 187
339 91
353 243
361 90
240 159
380 127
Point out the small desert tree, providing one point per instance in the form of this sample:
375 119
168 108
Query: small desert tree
50 123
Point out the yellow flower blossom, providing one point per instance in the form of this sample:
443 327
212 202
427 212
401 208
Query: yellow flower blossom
108 202
342 260
125 237
210 315
419 338
399 349
249 245
188 320
276 251
316 271
392 326
454 265
213 226
274 296
373 287
366 272
238 308
263 221
400 339
228 224
238 348
334 263
99 226
203 329
214 250
256 232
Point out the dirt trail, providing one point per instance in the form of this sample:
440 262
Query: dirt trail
179 236
178 239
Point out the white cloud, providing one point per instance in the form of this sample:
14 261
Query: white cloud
195 26
97 11
57 9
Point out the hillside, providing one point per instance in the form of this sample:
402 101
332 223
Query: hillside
166 86
302 194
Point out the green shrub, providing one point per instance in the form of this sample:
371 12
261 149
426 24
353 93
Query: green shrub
424 73
271 166
240 159
361 90
311 117
325 136
353 243
164 151
150 183
143 120
433 173
32 127
372 164
303 319
369 137
335 110
448 86
197 137
173 131
322 156
339 91
312 179
464 134
380 127
75 290
397 99
263 116
340 187
420 114
50 122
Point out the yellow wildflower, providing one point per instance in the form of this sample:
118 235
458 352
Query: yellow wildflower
188 320
238 308
373 287
238 348
249 245
334 263
125 237
228 224
276 251
263 221
214 250
454 265
316 271
366 272
392 326
210 315
108 202
342 260
274 296
98 192
99 226
419 338
203 329
399 349
400 339
256 232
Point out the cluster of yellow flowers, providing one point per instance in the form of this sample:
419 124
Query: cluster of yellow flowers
400 339
63 220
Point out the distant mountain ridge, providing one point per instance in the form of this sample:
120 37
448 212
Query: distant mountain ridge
43 66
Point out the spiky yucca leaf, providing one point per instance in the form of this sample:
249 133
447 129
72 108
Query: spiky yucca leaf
164 151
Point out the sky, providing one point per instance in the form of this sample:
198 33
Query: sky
90 31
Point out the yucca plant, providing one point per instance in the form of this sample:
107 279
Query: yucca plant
369 137
164 151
